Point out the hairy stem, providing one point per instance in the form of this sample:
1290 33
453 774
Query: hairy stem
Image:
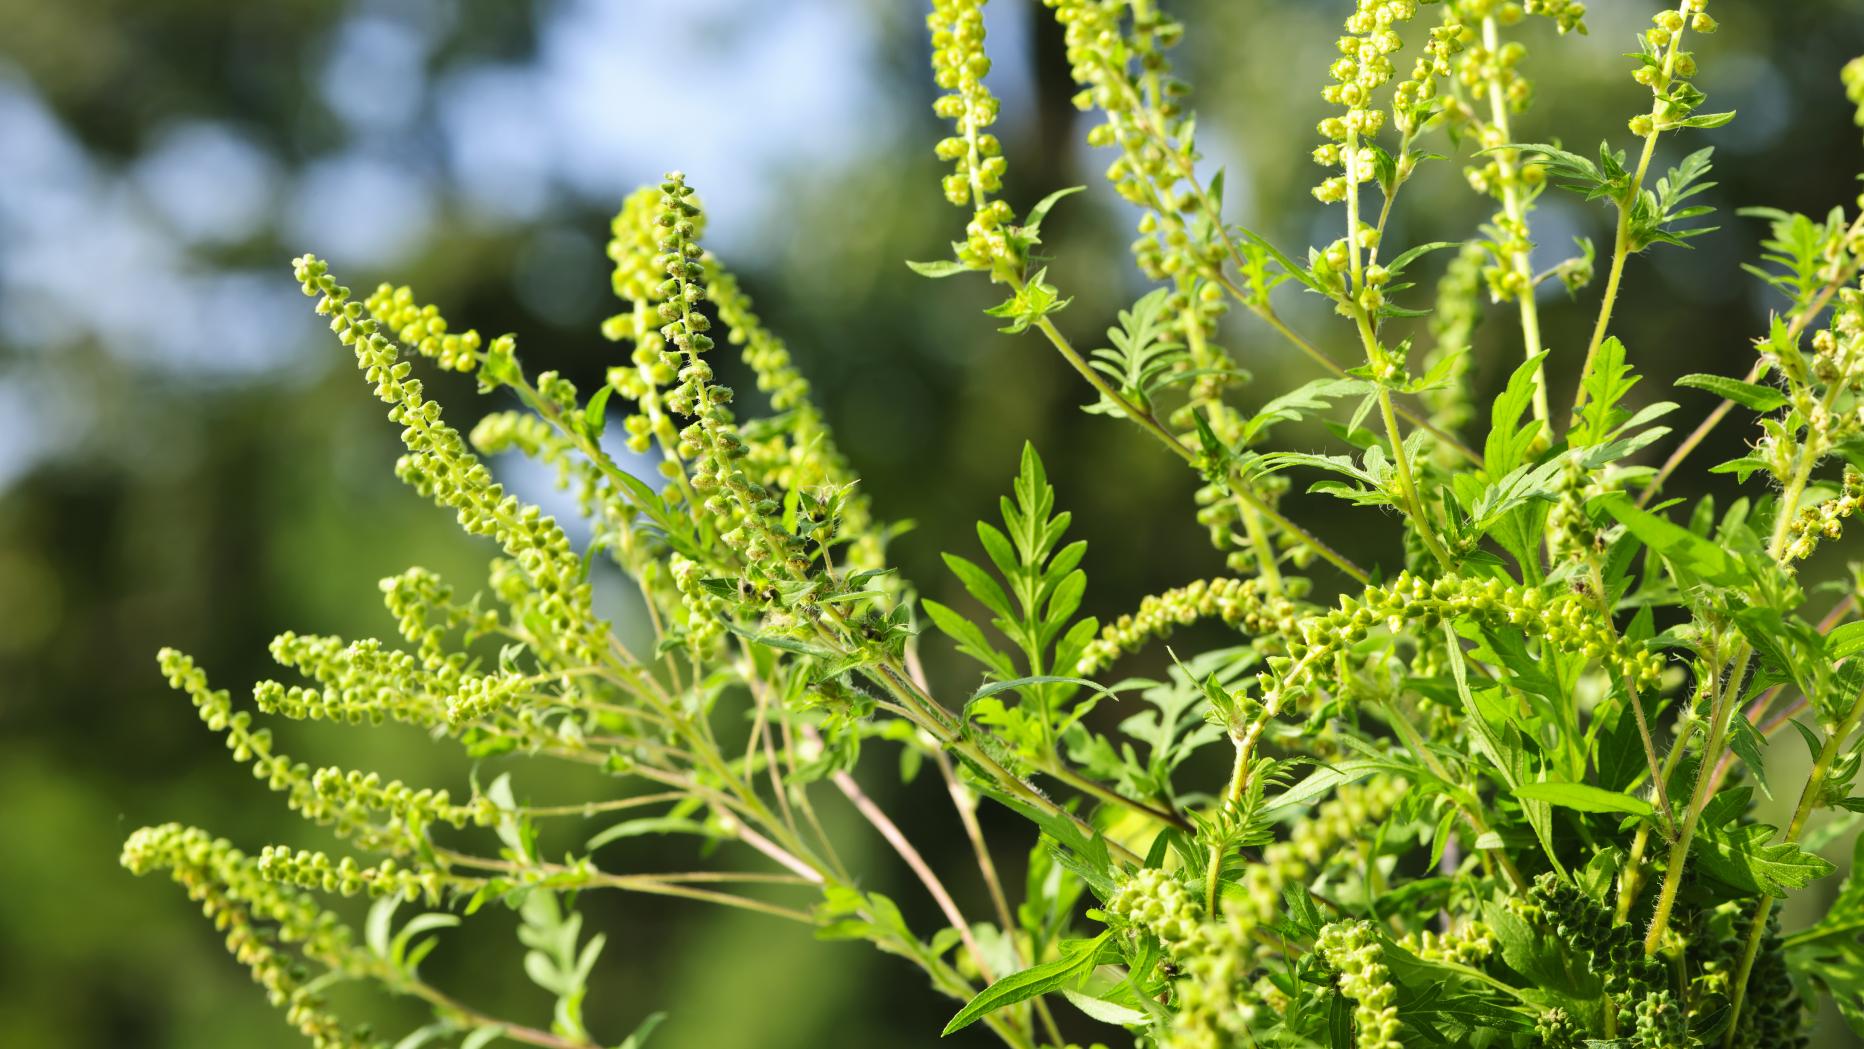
1514 206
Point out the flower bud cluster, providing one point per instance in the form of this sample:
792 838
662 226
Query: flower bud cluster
1156 901
1825 395
1613 948
1122 71
256 916
1363 67
426 614
1452 327
309 869
1826 519
634 237
795 449
959 66
254 746
1660 1022
633 247
1556 1029
1773 1013
1213 959
746 513
1245 604
536 439
410 811
361 682
1354 812
1352 948
1571 534
439 466
1566 621
1567 15
480 696
1492 87
422 329
1216 1003
706 612
1665 37
1469 943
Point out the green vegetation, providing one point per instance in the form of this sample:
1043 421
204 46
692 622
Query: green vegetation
1494 788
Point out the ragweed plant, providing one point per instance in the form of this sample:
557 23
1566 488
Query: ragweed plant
1494 790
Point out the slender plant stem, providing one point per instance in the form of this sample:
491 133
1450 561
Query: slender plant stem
921 870
1757 713
1515 208
596 808
1375 356
1730 698
1808 800
1414 741
1087 786
1637 703
1796 325
1274 321
1151 424
964 801
1258 305
1409 482
506 1029
1232 794
1726 700
656 887
1621 237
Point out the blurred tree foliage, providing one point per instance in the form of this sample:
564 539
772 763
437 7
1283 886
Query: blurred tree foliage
175 504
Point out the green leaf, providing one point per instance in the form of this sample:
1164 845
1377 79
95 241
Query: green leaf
1033 224
1105 1011
638 1038
1144 358
1509 438
645 825
1397 265
1043 679
1740 856
1845 641
1684 549
1303 795
1032 302
1707 120
1605 386
1656 211
968 635
938 269
978 584
1575 173
1747 394
1486 739
1584 797
1298 403
1830 955
595 413
1295 270
777 641
424 1035
1077 961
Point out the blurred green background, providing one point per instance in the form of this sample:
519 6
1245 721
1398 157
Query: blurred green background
187 458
